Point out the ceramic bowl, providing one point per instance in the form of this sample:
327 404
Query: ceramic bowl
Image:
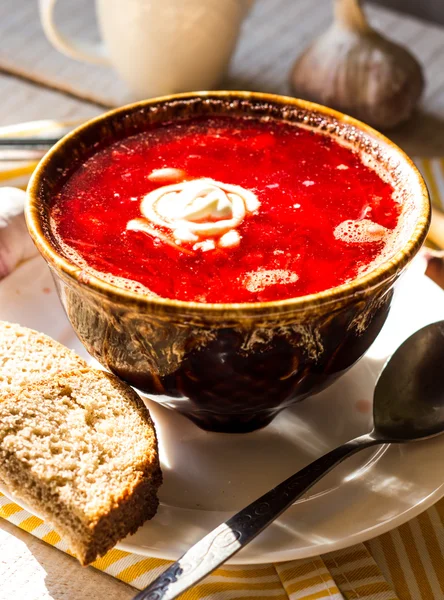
228 367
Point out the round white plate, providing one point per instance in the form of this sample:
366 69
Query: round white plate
208 476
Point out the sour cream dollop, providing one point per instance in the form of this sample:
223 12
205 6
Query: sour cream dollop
202 212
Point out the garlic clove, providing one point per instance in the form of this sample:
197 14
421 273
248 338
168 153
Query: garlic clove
16 244
354 69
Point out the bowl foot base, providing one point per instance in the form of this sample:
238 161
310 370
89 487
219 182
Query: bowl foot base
230 423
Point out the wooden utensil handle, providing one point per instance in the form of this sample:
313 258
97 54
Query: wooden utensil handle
436 231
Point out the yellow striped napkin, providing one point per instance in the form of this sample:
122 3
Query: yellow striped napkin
404 564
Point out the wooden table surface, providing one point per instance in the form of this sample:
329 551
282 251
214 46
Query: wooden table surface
38 83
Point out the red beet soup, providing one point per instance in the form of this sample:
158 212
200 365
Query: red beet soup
225 210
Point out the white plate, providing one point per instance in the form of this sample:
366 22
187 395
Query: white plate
207 476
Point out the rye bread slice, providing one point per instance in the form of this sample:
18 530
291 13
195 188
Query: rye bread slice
81 450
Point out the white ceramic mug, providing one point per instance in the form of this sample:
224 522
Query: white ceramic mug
158 46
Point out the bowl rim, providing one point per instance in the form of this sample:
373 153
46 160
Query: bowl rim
360 285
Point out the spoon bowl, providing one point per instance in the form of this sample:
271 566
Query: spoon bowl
409 394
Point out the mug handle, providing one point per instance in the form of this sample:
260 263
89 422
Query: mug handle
78 49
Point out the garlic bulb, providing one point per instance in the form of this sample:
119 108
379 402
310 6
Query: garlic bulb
352 68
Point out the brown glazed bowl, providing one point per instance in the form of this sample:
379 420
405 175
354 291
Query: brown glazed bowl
228 367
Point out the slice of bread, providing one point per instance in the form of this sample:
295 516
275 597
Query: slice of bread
27 355
81 450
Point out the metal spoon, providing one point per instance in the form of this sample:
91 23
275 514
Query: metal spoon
408 406
40 136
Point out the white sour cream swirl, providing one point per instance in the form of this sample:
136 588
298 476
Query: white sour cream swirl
203 211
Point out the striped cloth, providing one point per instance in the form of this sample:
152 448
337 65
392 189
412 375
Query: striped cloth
404 564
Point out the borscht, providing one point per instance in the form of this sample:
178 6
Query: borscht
223 209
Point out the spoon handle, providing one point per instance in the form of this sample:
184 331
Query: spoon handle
229 537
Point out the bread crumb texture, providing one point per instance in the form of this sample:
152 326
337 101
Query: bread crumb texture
80 448
27 355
